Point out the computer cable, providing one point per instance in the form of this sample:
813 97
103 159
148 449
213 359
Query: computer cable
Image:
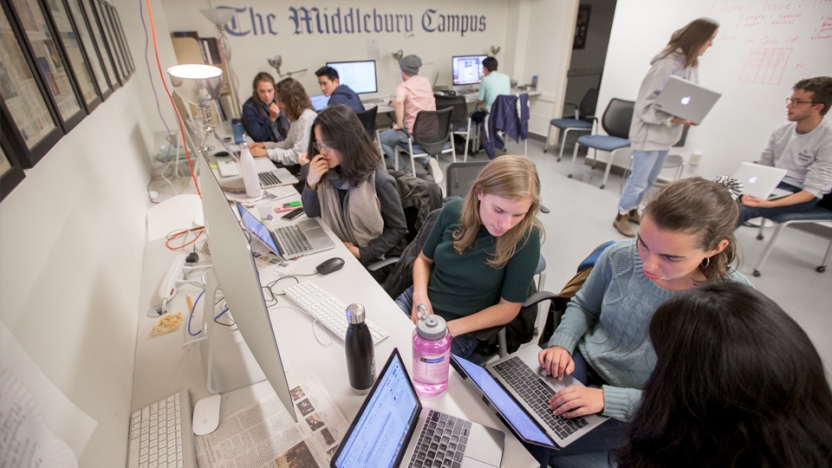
185 232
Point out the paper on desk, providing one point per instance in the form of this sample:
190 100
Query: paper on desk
66 421
26 441
263 435
173 214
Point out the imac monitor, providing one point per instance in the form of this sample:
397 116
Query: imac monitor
359 76
230 365
467 69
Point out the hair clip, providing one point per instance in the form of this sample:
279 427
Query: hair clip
733 185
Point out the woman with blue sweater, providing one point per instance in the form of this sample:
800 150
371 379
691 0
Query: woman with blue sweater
686 238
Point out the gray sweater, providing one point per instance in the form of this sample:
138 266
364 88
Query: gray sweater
287 151
650 129
609 319
807 157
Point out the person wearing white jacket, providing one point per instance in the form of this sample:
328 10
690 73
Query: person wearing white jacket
653 132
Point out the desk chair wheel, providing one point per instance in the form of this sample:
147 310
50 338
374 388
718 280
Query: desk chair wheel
546 150
602 186
569 176
821 269
756 273
760 237
558 159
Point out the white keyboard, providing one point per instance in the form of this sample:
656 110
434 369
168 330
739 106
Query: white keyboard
161 434
330 311
228 167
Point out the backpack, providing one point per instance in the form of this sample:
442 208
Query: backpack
419 198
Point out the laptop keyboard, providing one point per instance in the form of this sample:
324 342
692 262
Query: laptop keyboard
292 240
534 391
268 179
442 442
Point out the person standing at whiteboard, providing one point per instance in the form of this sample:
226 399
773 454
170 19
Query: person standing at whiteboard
653 132
802 146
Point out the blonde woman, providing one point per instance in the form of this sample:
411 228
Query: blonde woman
478 261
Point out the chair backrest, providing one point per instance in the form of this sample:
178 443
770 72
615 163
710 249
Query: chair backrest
617 118
457 103
368 120
461 176
588 103
432 130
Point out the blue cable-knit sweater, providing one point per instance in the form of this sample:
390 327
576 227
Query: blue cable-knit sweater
609 320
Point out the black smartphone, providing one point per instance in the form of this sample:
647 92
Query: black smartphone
293 214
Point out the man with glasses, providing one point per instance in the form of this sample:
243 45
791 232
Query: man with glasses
802 146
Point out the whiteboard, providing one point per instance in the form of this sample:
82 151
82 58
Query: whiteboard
762 49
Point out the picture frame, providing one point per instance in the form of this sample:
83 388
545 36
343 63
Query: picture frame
89 47
78 66
11 173
581 26
29 124
51 65
107 53
111 39
121 38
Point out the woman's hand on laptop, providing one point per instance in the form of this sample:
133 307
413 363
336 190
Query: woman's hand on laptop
258 150
556 361
754 202
677 120
576 400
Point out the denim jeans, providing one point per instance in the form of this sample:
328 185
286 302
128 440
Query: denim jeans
646 168
389 140
746 212
462 345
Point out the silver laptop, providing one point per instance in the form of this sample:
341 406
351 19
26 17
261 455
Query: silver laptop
319 102
683 99
760 181
515 388
393 429
287 242
229 176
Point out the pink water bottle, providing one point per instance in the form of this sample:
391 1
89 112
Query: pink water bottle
431 353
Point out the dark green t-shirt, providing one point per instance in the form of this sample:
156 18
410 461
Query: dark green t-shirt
463 284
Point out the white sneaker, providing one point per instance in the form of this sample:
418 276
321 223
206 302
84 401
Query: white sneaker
436 171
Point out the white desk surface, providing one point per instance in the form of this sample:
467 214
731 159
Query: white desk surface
384 106
163 367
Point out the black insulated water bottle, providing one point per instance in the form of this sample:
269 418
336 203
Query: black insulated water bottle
361 361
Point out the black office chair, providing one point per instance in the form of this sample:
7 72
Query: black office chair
582 121
616 122
430 137
368 120
461 176
459 117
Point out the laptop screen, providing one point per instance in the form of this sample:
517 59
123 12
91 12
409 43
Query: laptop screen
378 435
256 228
319 102
505 404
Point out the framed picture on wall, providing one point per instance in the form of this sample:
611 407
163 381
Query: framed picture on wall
11 174
123 38
118 54
77 64
28 123
50 62
88 47
581 27
86 11
106 46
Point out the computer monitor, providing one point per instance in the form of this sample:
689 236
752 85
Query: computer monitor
360 76
229 364
319 102
467 69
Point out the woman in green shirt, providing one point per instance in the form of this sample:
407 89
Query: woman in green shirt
478 261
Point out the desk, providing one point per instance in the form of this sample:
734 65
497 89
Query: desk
164 367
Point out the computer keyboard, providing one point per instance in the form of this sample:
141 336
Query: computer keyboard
161 434
442 442
330 311
268 179
228 167
292 240
534 391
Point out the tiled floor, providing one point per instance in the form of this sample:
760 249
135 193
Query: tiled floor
581 218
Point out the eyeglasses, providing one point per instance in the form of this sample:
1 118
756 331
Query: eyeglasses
797 102
320 146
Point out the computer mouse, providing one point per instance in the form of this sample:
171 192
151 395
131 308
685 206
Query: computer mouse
207 415
328 266
220 154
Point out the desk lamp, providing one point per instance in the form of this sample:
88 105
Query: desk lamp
276 61
220 17
199 85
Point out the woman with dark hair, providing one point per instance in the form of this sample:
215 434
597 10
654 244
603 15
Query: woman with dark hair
477 264
295 104
737 383
262 118
653 132
686 238
349 188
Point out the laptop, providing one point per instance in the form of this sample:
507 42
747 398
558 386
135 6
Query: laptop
230 178
319 102
519 393
683 99
287 242
760 181
393 429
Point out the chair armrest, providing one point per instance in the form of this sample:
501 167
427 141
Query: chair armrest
383 263
487 333
538 297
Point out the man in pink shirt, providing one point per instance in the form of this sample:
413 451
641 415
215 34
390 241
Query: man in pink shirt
414 94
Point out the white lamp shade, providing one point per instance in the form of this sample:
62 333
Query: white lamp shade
196 84
218 16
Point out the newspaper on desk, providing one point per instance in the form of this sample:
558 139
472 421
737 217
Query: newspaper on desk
264 435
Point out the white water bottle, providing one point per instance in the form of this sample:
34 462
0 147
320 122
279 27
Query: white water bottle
249 171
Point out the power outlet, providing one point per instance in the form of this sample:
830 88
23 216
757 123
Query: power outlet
695 158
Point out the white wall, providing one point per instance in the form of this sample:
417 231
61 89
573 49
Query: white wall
739 125
72 238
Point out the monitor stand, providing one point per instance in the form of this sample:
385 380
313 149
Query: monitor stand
228 362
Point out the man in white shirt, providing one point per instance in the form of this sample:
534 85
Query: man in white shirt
802 146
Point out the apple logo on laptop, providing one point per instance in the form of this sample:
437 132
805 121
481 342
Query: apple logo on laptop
752 180
685 100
